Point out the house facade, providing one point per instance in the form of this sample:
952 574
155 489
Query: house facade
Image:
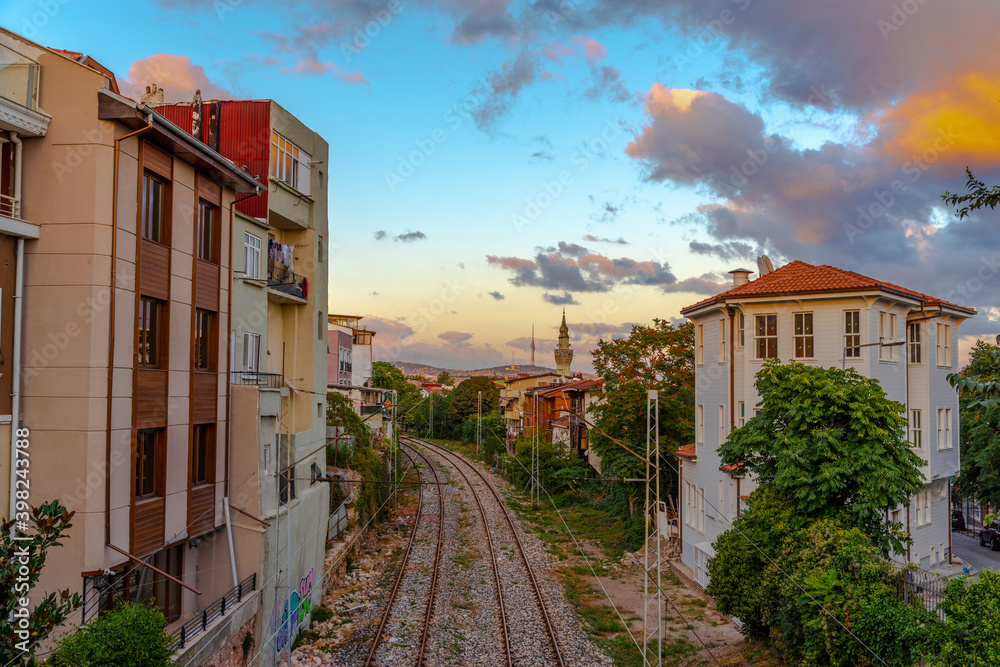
279 341
823 316
117 231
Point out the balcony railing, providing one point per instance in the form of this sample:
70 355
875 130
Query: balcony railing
372 409
10 207
217 609
279 278
262 380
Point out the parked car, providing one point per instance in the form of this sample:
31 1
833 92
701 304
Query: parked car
991 535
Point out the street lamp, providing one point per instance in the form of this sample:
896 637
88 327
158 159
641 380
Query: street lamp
880 343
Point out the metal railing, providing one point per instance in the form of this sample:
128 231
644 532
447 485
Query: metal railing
338 521
214 611
283 280
10 207
263 380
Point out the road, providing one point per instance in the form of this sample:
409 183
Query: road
976 557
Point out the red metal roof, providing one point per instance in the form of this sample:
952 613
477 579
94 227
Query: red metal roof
801 278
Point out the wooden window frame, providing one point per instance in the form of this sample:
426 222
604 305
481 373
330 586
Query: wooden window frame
203 454
145 303
158 464
805 338
212 237
852 334
205 360
150 176
767 338
248 251
914 347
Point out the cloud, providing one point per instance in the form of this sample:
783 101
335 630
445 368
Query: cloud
177 75
564 299
312 67
594 50
395 340
573 268
504 87
590 238
727 251
455 337
607 82
498 296
524 343
409 237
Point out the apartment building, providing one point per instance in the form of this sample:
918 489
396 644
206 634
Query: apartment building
279 351
824 316
115 304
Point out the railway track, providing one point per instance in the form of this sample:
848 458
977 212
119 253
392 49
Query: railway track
514 602
391 606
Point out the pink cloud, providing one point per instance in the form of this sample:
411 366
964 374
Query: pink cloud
595 50
175 74
313 67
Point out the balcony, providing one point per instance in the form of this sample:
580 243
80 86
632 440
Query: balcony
19 95
283 283
10 207
261 380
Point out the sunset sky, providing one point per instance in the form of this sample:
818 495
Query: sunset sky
493 162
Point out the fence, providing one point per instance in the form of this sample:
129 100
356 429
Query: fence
338 521
217 609
921 585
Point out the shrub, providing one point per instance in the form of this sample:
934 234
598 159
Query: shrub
131 635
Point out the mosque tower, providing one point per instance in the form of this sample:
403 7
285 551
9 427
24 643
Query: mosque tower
564 355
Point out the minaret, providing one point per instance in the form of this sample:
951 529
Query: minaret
532 344
564 355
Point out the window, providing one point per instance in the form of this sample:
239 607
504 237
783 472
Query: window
203 348
202 444
852 333
944 345
944 428
803 335
701 509
146 454
916 439
766 335
732 501
688 504
150 317
208 217
701 424
251 352
739 333
701 344
722 341
153 195
251 255
284 160
923 507
887 334
722 427
722 500
741 408
913 335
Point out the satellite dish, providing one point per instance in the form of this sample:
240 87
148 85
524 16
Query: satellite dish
764 266
767 262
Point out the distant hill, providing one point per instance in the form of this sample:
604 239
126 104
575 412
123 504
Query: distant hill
431 372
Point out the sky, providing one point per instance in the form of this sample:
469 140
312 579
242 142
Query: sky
493 162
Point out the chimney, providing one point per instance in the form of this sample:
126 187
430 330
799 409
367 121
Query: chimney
196 114
740 276
152 95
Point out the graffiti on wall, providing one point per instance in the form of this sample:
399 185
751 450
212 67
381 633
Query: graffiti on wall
295 611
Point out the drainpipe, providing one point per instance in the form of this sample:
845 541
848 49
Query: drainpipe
16 386
111 330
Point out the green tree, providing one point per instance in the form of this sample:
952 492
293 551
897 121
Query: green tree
130 635
980 425
387 376
21 563
828 441
465 397
972 623
444 377
979 196
658 357
492 432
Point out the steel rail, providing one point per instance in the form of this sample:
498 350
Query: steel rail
531 574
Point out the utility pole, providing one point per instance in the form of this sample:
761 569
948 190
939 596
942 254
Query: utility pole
430 434
535 492
652 624
479 425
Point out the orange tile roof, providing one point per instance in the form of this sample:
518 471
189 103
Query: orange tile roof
731 469
687 452
800 278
